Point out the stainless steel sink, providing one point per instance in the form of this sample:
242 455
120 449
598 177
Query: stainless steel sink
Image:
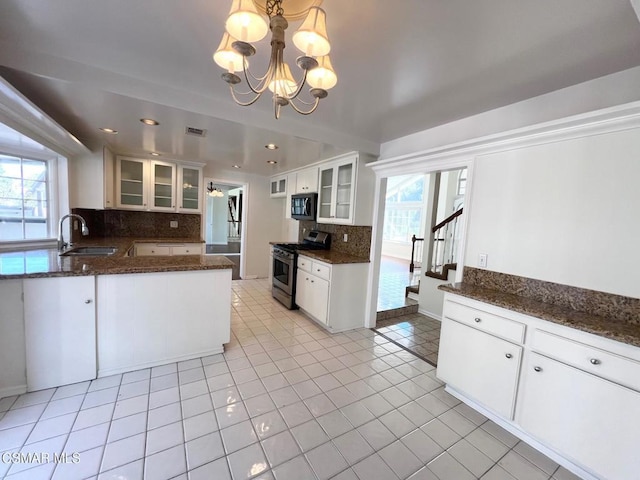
90 252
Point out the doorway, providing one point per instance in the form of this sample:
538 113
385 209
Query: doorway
223 222
422 229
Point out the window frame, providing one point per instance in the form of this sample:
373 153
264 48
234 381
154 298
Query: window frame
53 199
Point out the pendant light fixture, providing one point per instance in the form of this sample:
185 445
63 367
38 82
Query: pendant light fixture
214 191
245 26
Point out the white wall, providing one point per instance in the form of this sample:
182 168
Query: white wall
217 211
616 89
263 216
430 299
564 212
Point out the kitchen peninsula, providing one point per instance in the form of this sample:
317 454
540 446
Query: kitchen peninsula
84 317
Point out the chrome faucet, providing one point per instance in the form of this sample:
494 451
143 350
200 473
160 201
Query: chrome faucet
61 243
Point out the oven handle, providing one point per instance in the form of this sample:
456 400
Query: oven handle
283 258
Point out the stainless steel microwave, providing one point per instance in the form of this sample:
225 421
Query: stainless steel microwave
303 206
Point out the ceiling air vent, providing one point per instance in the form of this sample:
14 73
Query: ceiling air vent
196 132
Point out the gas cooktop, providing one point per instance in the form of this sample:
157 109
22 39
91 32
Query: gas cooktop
315 240
299 246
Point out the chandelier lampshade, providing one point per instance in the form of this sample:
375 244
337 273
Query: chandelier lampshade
226 57
245 23
323 76
245 26
311 38
283 84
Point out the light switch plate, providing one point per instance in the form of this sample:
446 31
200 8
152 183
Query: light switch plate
482 260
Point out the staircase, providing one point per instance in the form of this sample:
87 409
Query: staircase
444 248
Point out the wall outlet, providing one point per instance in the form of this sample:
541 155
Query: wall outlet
173 224
75 224
482 260
345 237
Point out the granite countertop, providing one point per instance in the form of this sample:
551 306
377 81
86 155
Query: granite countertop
333 256
625 332
47 263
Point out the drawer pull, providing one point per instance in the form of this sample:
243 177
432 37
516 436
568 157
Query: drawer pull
508 355
317 269
477 319
595 361
537 369
87 301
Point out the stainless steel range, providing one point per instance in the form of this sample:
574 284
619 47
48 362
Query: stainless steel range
285 258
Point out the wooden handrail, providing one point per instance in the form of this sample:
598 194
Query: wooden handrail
447 220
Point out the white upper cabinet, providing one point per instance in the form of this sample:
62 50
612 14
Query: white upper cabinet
345 191
189 189
109 160
132 183
307 180
163 185
278 186
156 185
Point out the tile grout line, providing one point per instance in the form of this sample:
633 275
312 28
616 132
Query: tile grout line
406 349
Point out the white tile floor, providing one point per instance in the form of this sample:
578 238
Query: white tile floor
286 401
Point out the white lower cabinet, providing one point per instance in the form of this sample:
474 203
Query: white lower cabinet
332 294
60 330
592 421
483 366
312 295
154 249
571 394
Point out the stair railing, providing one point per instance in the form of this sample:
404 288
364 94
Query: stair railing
416 252
445 242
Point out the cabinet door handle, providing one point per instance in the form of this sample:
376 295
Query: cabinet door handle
537 369
508 355
477 319
317 269
311 281
87 301
595 361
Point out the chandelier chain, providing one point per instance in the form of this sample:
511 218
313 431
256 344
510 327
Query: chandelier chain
274 7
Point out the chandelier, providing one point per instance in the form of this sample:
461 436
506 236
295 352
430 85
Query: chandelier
245 25
214 191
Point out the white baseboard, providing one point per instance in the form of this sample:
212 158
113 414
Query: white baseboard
131 368
524 436
11 391
429 314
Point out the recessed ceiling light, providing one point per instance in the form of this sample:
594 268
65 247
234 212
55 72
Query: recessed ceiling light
149 121
155 154
109 130
271 162
271 146
237 166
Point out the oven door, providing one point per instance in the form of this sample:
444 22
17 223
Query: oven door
283 272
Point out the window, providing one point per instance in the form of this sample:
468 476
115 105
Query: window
404 208
462 182
24 194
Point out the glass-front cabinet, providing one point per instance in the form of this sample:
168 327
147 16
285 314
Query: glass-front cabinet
131 183
337 192
163 181
158 186
189 189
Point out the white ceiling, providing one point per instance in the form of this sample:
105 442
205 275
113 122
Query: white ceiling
403 66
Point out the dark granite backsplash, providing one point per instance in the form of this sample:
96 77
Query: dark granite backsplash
602 304
359 243
125 223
